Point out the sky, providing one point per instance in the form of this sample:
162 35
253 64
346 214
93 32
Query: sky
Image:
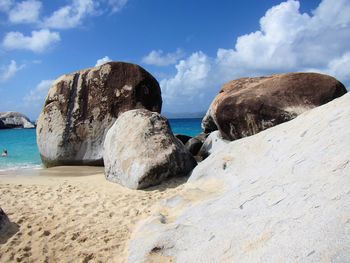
191 47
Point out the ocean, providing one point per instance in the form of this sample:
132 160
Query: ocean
23 151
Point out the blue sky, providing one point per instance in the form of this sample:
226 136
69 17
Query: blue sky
191 47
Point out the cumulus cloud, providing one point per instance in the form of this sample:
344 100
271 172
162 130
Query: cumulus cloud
73 14
10 70
190 81
287 40
37 95
70 16
103 60
67 16
38 41
158 58
340 67
25 12
5 5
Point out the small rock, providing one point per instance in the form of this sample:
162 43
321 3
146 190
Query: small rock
213 143
193 145
183 138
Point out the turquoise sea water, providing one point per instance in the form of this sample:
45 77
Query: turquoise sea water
23 151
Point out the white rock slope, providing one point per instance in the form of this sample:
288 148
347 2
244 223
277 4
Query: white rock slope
282 195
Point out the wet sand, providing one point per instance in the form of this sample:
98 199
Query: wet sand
72 214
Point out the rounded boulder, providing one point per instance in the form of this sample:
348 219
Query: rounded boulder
140 150
247 106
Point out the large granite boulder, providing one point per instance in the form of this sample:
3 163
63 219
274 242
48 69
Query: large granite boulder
140 150
80 108
279 196
249 105
12 119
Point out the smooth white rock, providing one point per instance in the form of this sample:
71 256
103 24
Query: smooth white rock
282 195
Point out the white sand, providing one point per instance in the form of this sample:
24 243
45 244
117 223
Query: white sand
72 214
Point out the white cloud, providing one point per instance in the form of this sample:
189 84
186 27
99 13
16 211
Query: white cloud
25 12
71 16
68 16
37 95
39 41
190 83
116 5
158 58
102 61
288 40
10 70
5 5
340 67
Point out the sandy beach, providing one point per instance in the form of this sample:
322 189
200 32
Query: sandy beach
72 214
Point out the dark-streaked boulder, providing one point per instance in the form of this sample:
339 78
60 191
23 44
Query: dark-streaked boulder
247 106
140 150
80 108
12 119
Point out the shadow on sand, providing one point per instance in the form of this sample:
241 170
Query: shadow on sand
168 184
10 229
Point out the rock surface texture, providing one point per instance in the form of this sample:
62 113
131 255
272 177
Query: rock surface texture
279 196
140 150
82 106
11 119
249 105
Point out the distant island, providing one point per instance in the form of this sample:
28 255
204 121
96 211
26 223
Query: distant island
12 120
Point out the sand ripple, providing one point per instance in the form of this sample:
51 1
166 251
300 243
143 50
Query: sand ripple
73 219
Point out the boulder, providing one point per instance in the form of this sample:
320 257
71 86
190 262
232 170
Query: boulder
193 145
11 119
80 108
249 105
183 138
208 124
140 150
4 221
279 196
213 143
